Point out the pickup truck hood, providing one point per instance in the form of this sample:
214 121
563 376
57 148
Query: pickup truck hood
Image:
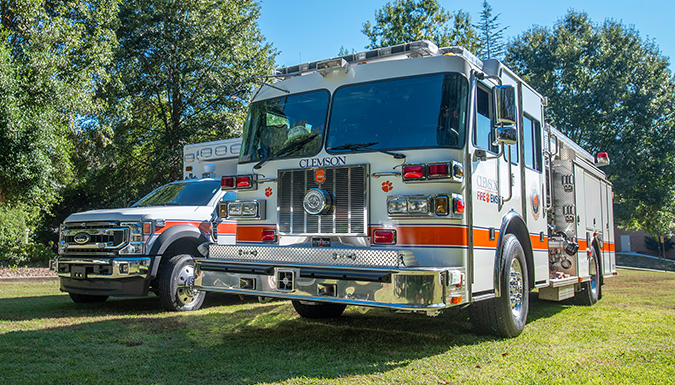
133 214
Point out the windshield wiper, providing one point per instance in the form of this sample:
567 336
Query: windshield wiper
291 147
359 146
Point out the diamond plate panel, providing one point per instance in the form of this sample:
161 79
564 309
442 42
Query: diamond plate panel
314 256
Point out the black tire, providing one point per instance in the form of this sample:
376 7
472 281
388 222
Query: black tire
318 309
591 290
174 284
506 315
86 298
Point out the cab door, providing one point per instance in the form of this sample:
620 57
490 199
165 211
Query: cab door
494 190
533 186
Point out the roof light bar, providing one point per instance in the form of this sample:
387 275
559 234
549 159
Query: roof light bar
414 49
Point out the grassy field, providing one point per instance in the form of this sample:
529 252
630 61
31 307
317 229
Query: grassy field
628 337
645 262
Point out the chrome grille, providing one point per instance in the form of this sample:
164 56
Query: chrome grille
347 184
96 237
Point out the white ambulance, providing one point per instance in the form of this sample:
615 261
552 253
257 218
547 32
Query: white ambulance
150 246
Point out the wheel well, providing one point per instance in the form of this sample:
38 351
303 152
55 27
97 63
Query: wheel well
186 245
512 223
594 245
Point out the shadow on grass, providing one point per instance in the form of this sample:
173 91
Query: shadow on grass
231 340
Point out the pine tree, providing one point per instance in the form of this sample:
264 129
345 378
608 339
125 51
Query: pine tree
490 33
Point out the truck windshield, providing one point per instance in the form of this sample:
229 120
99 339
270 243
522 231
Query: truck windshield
422 111
181 194
274 126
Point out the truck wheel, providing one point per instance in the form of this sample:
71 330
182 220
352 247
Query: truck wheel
590 290
86 298
506 315
318 310
174 285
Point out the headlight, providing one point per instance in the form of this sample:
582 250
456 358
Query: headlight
245 209
139 232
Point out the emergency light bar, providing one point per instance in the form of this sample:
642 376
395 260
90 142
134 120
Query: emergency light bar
414 49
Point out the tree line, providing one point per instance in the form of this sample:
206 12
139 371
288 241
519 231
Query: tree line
98 97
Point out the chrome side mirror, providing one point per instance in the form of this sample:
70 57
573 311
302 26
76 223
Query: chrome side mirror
507 135
505 102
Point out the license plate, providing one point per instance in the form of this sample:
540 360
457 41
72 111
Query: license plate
78 272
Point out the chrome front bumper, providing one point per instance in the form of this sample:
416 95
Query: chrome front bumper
102 268
367 277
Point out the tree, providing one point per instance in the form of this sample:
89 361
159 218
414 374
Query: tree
403 21
491 34
177 68
610 90
51 56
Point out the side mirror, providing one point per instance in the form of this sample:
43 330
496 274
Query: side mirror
507 135
505 102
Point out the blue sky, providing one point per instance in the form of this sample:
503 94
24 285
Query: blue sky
307 30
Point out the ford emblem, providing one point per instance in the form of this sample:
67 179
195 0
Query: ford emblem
81 238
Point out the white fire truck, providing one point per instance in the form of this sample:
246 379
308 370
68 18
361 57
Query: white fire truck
413 178
150 245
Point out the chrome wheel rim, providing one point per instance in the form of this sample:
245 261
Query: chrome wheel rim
516 284
185 292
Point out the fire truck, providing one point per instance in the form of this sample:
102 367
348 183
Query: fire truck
412 178
150 245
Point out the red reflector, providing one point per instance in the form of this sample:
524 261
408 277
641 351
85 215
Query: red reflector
458 205
603 155
437 170
227 182
269 235
244 181
413 172
387 237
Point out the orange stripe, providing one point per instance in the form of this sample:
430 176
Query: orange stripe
428 235
537 245
227 228
607 246
251 233
481 238
203 226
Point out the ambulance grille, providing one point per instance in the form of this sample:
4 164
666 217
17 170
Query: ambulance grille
347 184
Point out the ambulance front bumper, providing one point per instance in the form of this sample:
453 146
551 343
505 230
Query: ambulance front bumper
361 277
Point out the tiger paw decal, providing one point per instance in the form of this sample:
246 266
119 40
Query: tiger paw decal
268 192
387 186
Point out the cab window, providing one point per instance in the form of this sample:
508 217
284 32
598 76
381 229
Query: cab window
483 134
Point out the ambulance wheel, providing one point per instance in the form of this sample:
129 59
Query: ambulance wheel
174 285
86 298
590 290
506 315
318 310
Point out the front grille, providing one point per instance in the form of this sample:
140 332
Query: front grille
348 186
94 236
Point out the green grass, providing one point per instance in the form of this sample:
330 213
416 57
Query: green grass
631 260
628 337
